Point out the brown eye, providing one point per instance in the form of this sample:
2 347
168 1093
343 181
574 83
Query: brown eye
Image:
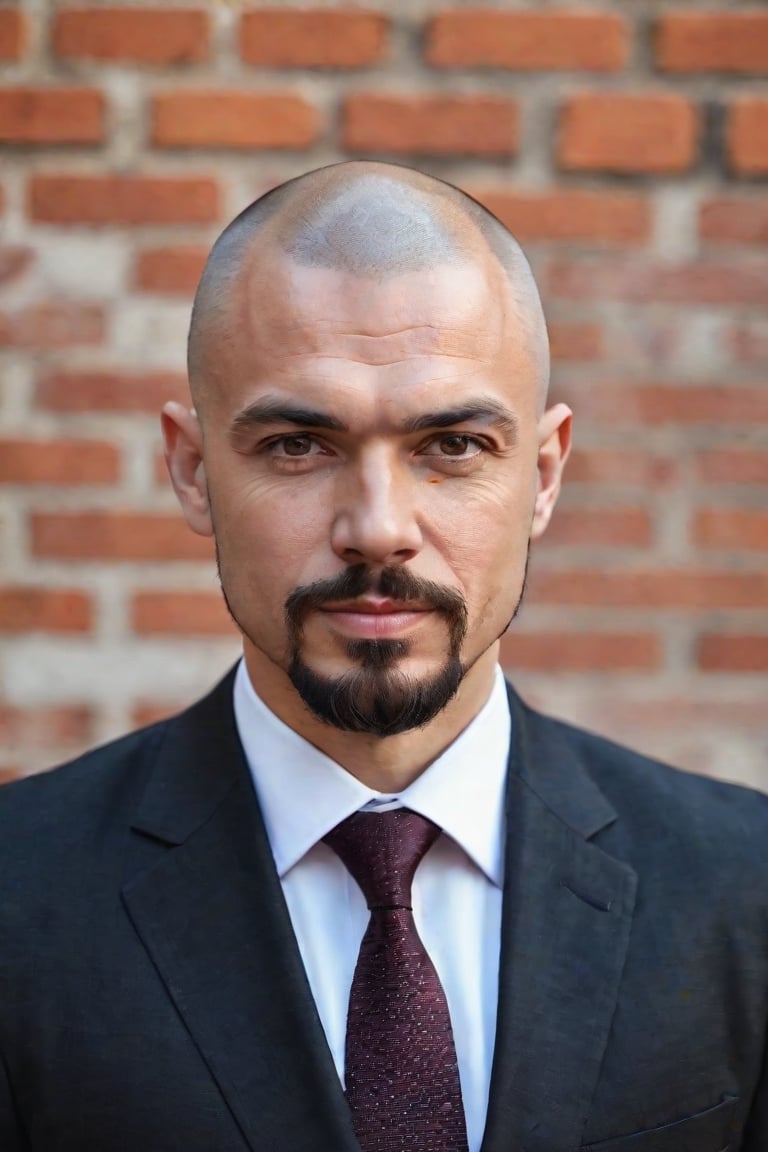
454 445
296 445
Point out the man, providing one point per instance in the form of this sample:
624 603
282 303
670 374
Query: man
361 896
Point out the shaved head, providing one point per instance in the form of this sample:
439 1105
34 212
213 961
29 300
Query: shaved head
369 220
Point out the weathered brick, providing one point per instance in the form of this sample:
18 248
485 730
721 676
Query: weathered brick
581 342
571 214
558 652
114 391
173 271
137 35
628 132
734 220
611 467
712 42
51 115
69 198
15 259
312 38
46 727
430 125
678 589
13 33
740 652
703 282
60 325
743 529
230 119
524 40
115 535
180 613
58 462
621 405
747 135
600 527
747 341
26 608
733 466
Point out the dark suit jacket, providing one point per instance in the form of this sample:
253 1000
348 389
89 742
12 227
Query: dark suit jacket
152 996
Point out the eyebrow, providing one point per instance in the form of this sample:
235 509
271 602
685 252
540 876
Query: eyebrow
272 411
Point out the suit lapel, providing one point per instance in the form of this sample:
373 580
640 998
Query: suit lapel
566 919
208 906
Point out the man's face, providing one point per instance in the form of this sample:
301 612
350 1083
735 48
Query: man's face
372 456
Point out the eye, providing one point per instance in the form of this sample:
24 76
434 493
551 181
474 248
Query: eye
456 445
294 446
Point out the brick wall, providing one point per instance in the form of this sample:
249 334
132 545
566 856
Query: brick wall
625 143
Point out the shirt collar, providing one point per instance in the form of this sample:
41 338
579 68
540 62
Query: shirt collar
304 794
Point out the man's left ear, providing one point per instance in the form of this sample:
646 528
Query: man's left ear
554 448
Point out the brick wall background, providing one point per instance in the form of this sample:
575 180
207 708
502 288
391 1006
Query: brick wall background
627 146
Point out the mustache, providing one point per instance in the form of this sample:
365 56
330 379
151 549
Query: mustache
393 583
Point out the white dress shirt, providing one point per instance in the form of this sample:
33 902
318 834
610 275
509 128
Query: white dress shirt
457 888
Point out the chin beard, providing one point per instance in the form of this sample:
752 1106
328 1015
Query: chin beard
376 697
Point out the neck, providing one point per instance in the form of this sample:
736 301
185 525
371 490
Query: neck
384 764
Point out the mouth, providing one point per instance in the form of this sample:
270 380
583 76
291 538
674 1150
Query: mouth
375 617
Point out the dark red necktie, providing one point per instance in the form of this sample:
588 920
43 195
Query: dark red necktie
402 1077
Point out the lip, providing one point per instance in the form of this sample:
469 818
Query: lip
376 606
374 619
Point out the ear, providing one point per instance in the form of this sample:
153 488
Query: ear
183 440
554 447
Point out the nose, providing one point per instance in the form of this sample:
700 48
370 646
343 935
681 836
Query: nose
376 520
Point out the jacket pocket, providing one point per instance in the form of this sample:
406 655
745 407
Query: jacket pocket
708 1131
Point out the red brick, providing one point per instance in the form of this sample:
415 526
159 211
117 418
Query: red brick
705 282
747 135
223 119
51 115
748 341
733 466
58 462
13 34
146 713
600 527
180 613
743 529
575 342
52 326
122 200
607 466
15 259
554 39
46 727
633 405
173 271
430 125
92 391
628 132
558 652
682 590
136 35
734 220
115 535
571 214
25 609
732 653
712 42
312 38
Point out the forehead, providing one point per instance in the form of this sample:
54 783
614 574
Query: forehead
311 329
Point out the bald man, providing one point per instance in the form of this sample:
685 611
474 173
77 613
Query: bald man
361 896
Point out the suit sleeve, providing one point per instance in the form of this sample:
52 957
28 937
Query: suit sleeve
12 1138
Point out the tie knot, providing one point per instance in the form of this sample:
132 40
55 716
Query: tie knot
382 851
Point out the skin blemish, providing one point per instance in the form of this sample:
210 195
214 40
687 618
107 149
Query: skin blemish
435 480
